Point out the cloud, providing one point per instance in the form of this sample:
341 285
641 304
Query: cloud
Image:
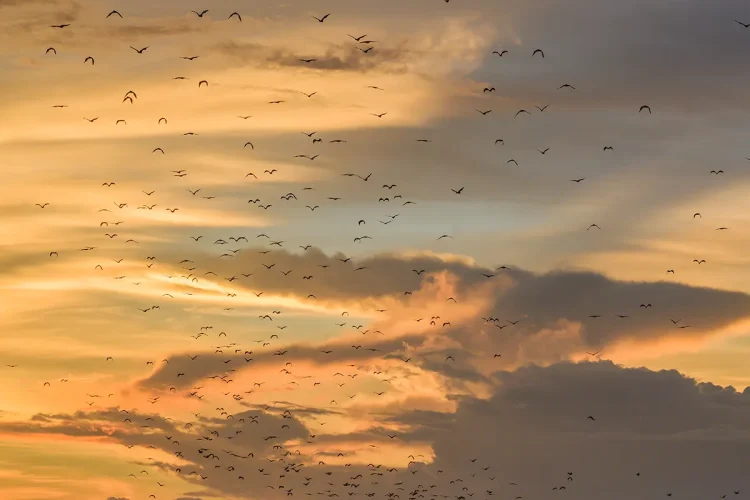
212 364
558 316
641 402
450 47
337 280
577 295
614 65
532 428
334 58
243 446
151 29
26 16
655 423
537 300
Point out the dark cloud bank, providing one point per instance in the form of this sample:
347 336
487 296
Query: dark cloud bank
654 433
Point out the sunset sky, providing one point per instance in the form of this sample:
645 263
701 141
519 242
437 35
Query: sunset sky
348 264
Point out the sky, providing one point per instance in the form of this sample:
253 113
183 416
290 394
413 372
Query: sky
416 250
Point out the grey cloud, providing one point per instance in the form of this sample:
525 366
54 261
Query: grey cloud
81 424
575 295
212 364
546 303
530 431
535 427
539 302
385 274
459 369
335 58
641 402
